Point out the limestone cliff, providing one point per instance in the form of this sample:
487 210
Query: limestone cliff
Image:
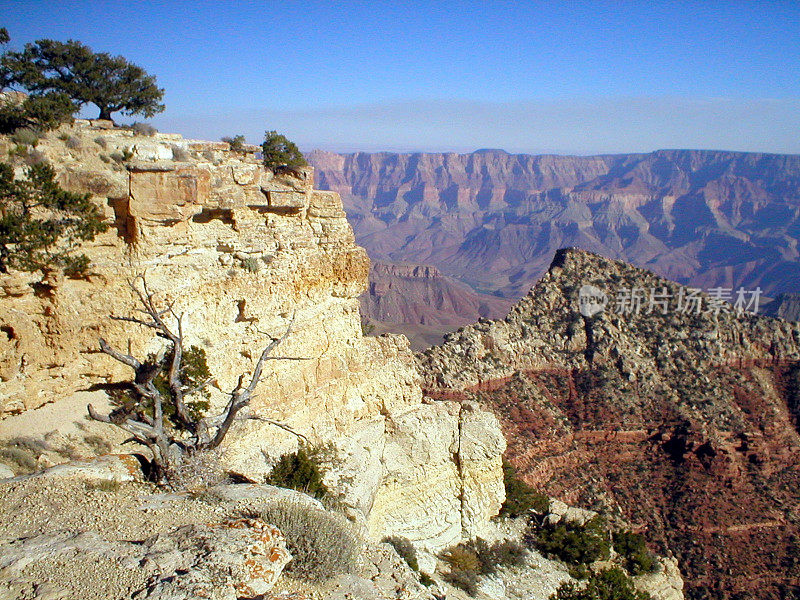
241 252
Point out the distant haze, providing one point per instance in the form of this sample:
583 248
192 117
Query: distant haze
569 126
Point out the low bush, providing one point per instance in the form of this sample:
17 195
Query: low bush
121 157
302 471
521 497
236 142
23 453
26 137
199 471
469 561
144 129
608 584
101 141
180 154
322 544
573 543
251 264
98 444
104 485
637 559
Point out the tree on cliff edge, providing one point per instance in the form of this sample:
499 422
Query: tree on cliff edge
41 225
281 154
162 405
73 69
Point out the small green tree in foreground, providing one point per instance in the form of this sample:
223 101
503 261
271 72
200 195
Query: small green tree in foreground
280 154
73 69
41 224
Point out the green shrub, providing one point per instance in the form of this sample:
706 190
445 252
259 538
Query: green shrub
73 142
47 238
521 498
469 561
573 543
195 371
280 154
236 142
251 264
405 549
608 584
26 137
322 544
100 141
301 471
637 559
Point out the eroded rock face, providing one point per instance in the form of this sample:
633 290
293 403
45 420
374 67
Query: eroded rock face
444 455
684 422
242 253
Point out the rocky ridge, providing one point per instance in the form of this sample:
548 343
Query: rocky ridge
684 423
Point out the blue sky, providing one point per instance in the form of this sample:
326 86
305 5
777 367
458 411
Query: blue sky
565 77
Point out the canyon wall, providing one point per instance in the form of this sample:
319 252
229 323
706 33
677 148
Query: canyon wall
494 220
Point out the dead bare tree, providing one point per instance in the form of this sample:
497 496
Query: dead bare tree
143 414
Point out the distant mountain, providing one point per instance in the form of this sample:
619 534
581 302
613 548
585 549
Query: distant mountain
685 423
493 219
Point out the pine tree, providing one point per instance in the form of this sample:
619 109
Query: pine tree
280 154
109 82
41 224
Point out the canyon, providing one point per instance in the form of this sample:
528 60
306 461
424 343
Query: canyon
493 220
244 255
